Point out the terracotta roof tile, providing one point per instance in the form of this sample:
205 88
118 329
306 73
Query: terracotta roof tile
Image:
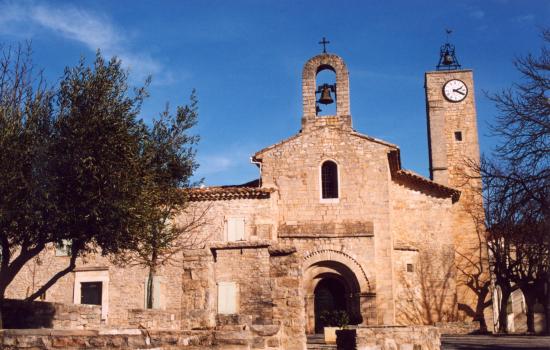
227 193
408 177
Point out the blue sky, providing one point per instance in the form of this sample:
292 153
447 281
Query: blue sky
245 60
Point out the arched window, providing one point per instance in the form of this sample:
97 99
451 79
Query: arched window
329 179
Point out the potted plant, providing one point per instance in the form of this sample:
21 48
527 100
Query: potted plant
333 321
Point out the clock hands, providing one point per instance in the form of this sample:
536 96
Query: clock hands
460 91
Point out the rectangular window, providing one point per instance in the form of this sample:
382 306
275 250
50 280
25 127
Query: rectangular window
90 293
227 298
410 268
64 248
458 135
235 229
329 180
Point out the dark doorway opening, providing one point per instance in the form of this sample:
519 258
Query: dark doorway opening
90 293
329 296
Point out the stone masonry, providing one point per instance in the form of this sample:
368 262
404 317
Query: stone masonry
277 252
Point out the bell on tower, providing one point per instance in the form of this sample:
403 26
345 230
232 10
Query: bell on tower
334 92
447 57
325 90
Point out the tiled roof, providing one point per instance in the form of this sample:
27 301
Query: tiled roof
413 180
408 177
220 193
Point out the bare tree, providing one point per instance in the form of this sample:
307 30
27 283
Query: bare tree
473 268
519 187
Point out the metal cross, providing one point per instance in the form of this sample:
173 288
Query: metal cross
448 31
324 42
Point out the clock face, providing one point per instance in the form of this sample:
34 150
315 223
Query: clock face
455 90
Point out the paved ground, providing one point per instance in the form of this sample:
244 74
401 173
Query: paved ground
488 342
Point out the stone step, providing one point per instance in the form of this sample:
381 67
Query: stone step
317 342
321 347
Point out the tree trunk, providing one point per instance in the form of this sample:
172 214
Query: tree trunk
152 273
547 304
503 312
530 303
480 308
530 320
150 288
54 279
1 309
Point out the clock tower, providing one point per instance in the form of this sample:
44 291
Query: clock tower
453 149
452 124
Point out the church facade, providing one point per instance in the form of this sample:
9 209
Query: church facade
334 223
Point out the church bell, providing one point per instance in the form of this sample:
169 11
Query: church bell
326 98
447 59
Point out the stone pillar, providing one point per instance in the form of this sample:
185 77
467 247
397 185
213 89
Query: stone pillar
367 302
310 313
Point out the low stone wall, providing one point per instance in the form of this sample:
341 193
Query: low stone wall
46 339
243 337
39 314
455 328
153 319
389 338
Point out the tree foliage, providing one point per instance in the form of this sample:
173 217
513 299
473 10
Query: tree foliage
27 214
77 164
168 163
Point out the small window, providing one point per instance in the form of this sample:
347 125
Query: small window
329 179
458 135
91 293
235 229
410 268
63 248
227 298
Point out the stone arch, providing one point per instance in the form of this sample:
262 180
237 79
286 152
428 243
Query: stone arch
328 254
309 74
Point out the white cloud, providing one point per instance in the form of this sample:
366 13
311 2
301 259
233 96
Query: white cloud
212 164
477 14
79 25
524 18
93 30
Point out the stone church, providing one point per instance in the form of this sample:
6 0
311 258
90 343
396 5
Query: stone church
333 223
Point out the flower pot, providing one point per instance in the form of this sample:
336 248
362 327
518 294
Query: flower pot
330 334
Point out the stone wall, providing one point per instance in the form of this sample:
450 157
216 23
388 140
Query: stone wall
154 319
224 337
123 286
39 314
395 337
270 309
423 256
44 339
293 168
460 327
287 296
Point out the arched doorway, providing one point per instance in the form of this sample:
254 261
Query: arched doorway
329 296
330 286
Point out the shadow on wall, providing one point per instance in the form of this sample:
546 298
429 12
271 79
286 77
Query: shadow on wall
428 292
21 314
